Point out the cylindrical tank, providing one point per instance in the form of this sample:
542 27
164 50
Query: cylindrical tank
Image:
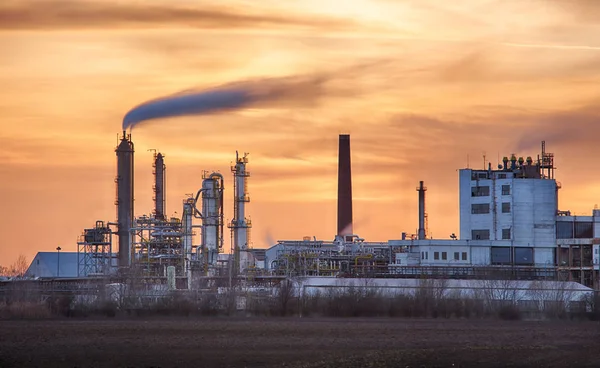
124 200
212 217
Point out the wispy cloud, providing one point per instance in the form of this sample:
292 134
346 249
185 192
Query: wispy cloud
552 46
83 14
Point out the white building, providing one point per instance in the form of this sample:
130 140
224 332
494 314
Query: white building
515 210
509 219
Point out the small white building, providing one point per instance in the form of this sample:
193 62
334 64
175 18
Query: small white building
53 264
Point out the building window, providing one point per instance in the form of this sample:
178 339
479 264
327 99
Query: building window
524 256
584 230
456 254
422 255
576 229
482 191
444 256
479 175
505 207
480 208
506 234
426 255
436 255
501 256
464 256
506 189
564 230
501 176
480 234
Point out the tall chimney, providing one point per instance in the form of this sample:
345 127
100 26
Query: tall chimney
344 213
421 189
159 186
124 200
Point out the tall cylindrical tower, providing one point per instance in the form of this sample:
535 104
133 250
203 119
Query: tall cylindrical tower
421 189
159 186
344 210
124 200
240 225
212 217
186 225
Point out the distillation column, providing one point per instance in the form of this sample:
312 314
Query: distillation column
240 225
159 186
186 228
212 218
124 200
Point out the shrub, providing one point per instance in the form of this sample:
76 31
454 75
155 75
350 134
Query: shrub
24 310
509 312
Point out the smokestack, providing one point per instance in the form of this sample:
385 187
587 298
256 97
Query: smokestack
421 189
344 213
124 200
159 186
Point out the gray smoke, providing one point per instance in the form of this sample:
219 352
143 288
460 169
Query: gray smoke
265 92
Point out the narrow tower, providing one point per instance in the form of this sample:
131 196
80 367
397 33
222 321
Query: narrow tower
344 212
421 189
124 200
240 225
186 225
212 217
160 184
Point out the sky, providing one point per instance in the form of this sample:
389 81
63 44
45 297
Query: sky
424 88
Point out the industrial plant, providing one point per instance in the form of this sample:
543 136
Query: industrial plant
510 229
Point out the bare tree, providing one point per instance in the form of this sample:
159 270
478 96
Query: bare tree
16 269
285 295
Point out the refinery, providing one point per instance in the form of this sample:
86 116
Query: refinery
510 229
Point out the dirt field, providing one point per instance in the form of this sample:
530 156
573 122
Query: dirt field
221 342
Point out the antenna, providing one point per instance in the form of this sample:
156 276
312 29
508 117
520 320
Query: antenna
484 160
467 160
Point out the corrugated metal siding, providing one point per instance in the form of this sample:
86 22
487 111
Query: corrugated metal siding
523 218
464 185
544 256
480 255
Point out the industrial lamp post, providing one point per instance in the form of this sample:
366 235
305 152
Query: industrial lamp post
58 261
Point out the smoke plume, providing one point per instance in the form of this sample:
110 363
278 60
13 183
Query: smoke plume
258 93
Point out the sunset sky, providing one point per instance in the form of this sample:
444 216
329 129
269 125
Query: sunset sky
419 85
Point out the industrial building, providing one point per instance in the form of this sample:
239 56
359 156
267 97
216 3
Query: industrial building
510 228
149 245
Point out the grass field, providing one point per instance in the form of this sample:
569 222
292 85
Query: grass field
309 342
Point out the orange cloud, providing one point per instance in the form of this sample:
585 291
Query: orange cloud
71 14
416 105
